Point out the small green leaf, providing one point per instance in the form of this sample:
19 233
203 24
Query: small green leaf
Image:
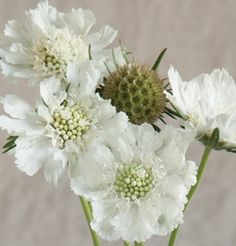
170 114
8 144
158 60
156 128
163 121
173 113
10 141
6 150
11 137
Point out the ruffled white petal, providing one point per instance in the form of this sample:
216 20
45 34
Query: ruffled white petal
54 166
18 55
18 126
30 154
13 126
189 174
89 179
170 216
174 187
16 70
103 212
105 37
161 209
44 113
22 30
85 78
149 141
45 32
49 89
120 145
44 16
137 223
80 21
206 102
16 107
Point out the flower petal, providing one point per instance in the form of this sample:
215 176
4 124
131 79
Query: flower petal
44 15
30 154
92 171
18 126
54 167
106 37
15 106
48 90
86 77
102 213
80 21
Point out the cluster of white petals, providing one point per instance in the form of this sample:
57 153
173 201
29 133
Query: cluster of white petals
61 127
207 102
137 181
44 42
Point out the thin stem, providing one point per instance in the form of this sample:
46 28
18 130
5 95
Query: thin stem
201 169
88 215
173 236
127 243
138 244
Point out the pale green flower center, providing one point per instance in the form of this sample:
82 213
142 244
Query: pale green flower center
55 50
71 123
133 181
52 64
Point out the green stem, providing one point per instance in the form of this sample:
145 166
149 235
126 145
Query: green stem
88 215
201 169
127 243
138 244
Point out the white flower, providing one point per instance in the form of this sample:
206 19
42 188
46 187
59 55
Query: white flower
207 102
44 42
137 181
61 128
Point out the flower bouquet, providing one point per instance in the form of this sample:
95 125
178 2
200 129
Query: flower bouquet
100 121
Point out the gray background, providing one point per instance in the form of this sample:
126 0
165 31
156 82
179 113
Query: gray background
200 35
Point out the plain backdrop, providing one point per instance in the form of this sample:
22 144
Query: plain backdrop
200 35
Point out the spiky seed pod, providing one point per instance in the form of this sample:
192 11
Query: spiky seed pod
136 90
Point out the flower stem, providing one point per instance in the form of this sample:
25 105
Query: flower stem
88 215
138 244
201 169
127 243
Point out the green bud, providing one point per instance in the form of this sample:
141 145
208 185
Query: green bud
136 90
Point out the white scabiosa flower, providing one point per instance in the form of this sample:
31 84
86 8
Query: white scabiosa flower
61 128
45 41
137 181
207 102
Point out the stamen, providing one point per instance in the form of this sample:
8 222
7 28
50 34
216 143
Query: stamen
71 123
133 181
54 51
